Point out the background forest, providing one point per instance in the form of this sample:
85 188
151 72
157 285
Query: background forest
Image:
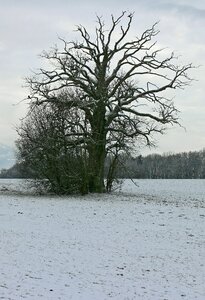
168 166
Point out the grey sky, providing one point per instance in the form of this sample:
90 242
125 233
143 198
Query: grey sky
28 27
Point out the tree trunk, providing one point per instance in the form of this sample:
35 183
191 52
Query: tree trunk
97 145
97 156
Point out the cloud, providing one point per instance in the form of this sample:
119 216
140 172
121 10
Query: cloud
28 27
183 10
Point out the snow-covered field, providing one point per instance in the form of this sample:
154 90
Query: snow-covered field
145 242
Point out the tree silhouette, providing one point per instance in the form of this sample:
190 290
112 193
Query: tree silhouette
115 87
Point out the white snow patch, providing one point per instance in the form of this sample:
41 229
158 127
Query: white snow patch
143 243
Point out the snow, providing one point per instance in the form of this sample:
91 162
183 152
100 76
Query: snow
144 242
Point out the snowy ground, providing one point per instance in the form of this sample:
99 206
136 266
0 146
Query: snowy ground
145 242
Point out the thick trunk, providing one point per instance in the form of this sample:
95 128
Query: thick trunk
96 168
97 147
97 154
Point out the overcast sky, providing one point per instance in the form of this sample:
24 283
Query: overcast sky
29 27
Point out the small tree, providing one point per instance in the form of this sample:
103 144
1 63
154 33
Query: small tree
45 147
116 88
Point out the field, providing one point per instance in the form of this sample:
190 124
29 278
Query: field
141 242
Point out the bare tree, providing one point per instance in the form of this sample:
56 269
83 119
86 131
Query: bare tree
116 87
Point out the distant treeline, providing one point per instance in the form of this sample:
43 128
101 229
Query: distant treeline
168 166
19 170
